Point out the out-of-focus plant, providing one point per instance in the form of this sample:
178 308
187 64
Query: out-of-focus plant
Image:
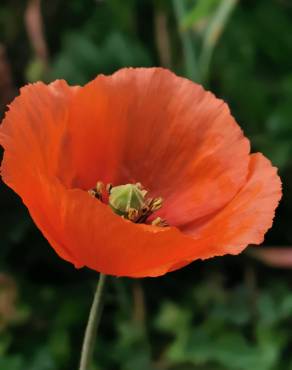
82 58
201 26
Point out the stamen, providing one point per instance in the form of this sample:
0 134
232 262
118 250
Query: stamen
109 188
145 210
92 193
159 222
156 204
133 214
97 191
100 187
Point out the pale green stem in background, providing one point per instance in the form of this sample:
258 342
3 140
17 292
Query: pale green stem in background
187 42
91 328
212 34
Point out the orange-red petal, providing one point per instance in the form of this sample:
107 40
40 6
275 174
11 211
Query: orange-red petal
248 216
34 134
150 126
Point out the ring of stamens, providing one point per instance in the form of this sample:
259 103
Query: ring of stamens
130 201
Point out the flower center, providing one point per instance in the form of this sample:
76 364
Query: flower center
130 201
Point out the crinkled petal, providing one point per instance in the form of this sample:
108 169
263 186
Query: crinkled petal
34 133
248 216
150 126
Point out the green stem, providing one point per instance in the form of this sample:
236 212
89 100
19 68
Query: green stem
212 34
187 42
93 321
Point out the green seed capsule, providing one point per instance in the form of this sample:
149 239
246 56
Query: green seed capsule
123 198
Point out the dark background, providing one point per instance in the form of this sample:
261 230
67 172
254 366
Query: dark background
232 313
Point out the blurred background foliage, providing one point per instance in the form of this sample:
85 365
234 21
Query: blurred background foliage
230 313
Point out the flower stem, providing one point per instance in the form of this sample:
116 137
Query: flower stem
93 321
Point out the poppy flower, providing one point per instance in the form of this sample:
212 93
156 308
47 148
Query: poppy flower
195 190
